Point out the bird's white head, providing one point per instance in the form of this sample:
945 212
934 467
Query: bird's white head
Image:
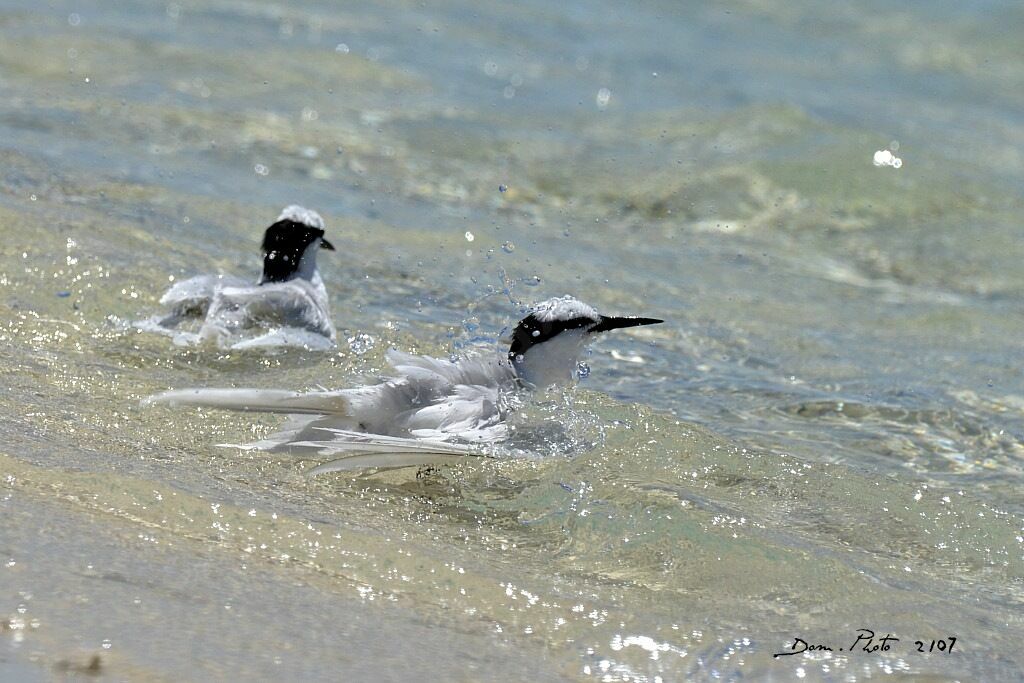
548 342
290 245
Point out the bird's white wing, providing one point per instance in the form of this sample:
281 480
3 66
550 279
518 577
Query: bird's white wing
295 303
197 290
191 298
430 413
469 413
375 450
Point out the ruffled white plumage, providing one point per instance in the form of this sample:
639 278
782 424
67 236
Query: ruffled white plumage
430 406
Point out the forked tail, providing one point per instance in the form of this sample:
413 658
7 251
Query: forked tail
258 400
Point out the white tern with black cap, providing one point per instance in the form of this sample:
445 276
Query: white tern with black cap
287 305
431 410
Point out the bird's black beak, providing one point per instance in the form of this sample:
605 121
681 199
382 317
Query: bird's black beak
324 244
614 323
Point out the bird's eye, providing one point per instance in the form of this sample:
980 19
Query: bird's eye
536 333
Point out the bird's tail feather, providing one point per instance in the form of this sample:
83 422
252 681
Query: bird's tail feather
258 400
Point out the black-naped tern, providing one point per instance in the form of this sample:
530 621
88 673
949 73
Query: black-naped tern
286 307
431 410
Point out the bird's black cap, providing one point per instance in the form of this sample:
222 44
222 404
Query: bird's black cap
284 242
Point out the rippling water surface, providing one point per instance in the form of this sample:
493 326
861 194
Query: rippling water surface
827 434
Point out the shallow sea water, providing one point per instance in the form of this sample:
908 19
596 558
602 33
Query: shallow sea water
826 435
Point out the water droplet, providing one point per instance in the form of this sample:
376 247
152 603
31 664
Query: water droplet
361 343
502 188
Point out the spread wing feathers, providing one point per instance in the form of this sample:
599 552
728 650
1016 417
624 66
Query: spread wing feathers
297 303
191 298
469 412
258 400
376 450
433 411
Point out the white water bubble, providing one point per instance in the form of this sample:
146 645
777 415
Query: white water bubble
261 169
604 96
885 157
470 236
508 247
74 19
342 48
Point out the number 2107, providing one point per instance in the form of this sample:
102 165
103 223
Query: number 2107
940 645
